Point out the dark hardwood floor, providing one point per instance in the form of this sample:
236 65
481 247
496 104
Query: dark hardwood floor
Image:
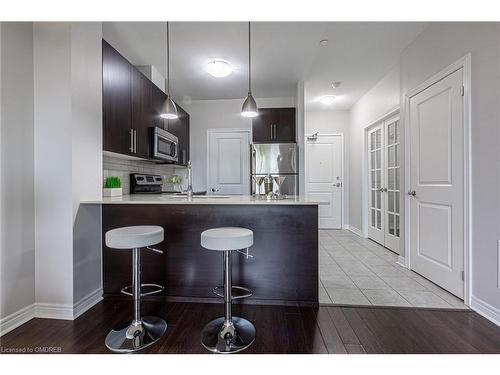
328 329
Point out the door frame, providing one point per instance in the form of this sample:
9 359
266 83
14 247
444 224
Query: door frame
364 168
465 64
342 169
226 130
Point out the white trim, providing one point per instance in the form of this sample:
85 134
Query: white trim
17 319
342 170
485 309
53 311
364 168
49 311
87 302
353 229
465 63
225 130
401 261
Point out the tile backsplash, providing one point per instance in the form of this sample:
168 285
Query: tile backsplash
115 166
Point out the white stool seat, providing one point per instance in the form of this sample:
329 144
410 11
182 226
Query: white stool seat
134 237
228 238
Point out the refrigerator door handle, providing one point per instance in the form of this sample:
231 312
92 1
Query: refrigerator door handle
294 158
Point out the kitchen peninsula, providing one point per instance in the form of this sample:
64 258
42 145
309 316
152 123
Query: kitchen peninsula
282 269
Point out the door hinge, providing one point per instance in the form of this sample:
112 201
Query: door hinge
463 90
463 275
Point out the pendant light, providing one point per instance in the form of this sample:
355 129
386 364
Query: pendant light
169 109
249 108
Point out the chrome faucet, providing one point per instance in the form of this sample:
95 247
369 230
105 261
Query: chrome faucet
189 190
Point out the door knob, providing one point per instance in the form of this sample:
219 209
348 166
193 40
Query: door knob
214 190
338 184
413 193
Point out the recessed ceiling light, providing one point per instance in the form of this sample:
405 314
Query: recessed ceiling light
327 99
336 84
323 42
219 68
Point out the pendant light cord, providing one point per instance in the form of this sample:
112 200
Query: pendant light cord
168 61
249 60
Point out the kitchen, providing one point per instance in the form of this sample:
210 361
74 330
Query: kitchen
161 134
192 134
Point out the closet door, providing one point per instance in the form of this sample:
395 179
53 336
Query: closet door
391 189
376 225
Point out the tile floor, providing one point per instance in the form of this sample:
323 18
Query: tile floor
358 271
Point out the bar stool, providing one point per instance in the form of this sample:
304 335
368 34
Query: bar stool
142 331
228 334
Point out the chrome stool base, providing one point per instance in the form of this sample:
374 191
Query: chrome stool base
233 338
130 337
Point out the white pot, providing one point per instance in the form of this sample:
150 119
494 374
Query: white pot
112 192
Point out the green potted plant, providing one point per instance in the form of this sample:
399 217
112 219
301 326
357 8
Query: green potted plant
112 187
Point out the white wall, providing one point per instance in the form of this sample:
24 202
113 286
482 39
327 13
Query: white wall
17 242
53 157
68 163
376 103
86 108
211 114
438 46
300 105
333 122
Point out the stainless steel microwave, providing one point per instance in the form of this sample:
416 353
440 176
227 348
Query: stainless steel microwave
165 146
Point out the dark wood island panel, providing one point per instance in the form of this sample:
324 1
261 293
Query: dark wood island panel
283 270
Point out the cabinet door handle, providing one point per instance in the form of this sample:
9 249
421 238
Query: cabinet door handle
131 132
135 141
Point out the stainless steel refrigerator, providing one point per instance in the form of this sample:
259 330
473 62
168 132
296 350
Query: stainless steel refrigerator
276 159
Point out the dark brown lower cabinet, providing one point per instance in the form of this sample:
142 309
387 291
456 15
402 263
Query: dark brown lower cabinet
283 270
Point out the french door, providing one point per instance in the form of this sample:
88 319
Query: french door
384 184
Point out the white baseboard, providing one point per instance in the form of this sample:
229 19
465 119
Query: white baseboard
485 309
16 319
401 261
53 311
87 302
49 311
353 229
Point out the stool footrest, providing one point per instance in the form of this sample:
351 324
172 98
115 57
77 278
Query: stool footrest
237 292
158 289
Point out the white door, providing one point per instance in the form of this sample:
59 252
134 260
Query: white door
323 160
375 183
436 196
383 183
228 162
391 190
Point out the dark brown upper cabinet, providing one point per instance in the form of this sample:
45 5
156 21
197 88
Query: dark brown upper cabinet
132 104
158 98
274 125
142 116
116 101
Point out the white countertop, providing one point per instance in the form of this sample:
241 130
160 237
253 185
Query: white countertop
202 199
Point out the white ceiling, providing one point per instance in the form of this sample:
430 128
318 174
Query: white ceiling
358 54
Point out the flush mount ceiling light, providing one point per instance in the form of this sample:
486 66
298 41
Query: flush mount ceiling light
219 68
327 99
323 42
169 109
249 108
